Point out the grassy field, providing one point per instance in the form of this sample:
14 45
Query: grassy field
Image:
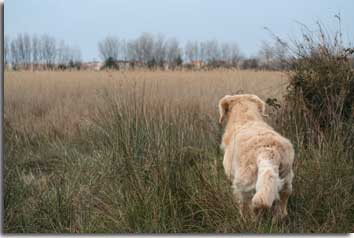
117 152
45 102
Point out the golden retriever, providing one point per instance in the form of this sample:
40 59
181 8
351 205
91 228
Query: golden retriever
257 159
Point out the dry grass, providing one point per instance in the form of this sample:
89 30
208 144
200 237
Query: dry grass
99 152
62 102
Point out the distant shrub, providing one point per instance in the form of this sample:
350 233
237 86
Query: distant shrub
74 65
251 63
110 63
178 62
152 64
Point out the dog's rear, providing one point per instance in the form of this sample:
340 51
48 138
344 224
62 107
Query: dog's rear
268 181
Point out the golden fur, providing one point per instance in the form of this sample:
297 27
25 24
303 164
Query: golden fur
257 159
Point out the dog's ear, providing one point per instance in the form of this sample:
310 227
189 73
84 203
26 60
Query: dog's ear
223 107
260 104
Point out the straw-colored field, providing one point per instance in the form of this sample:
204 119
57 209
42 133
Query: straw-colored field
60 102
139 152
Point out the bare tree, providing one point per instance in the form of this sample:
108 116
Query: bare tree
20 48
132 53
235 55
48 51
225 52
13 51
7 53
192 51
35 51
159 51
61 53
266 54
203 56
273 56
173 53
27 50
75 57
16 52
109 48
144 47
67 56
123 49
282 54
212 50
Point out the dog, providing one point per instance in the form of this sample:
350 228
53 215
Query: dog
257 160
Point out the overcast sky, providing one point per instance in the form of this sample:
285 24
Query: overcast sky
83 23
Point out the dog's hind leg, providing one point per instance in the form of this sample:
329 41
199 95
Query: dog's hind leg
281 210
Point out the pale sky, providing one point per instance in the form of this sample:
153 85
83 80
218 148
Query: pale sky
84 23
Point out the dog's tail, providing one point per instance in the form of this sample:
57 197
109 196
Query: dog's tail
268 182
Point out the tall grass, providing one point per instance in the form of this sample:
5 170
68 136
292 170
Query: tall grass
154 166
59 103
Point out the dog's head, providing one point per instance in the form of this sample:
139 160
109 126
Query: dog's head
228 102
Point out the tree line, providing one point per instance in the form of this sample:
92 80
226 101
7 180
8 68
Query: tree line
40 52
148 50
159 52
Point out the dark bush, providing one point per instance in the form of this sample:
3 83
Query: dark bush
251 63
179 60
110 63
152 64
322 78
